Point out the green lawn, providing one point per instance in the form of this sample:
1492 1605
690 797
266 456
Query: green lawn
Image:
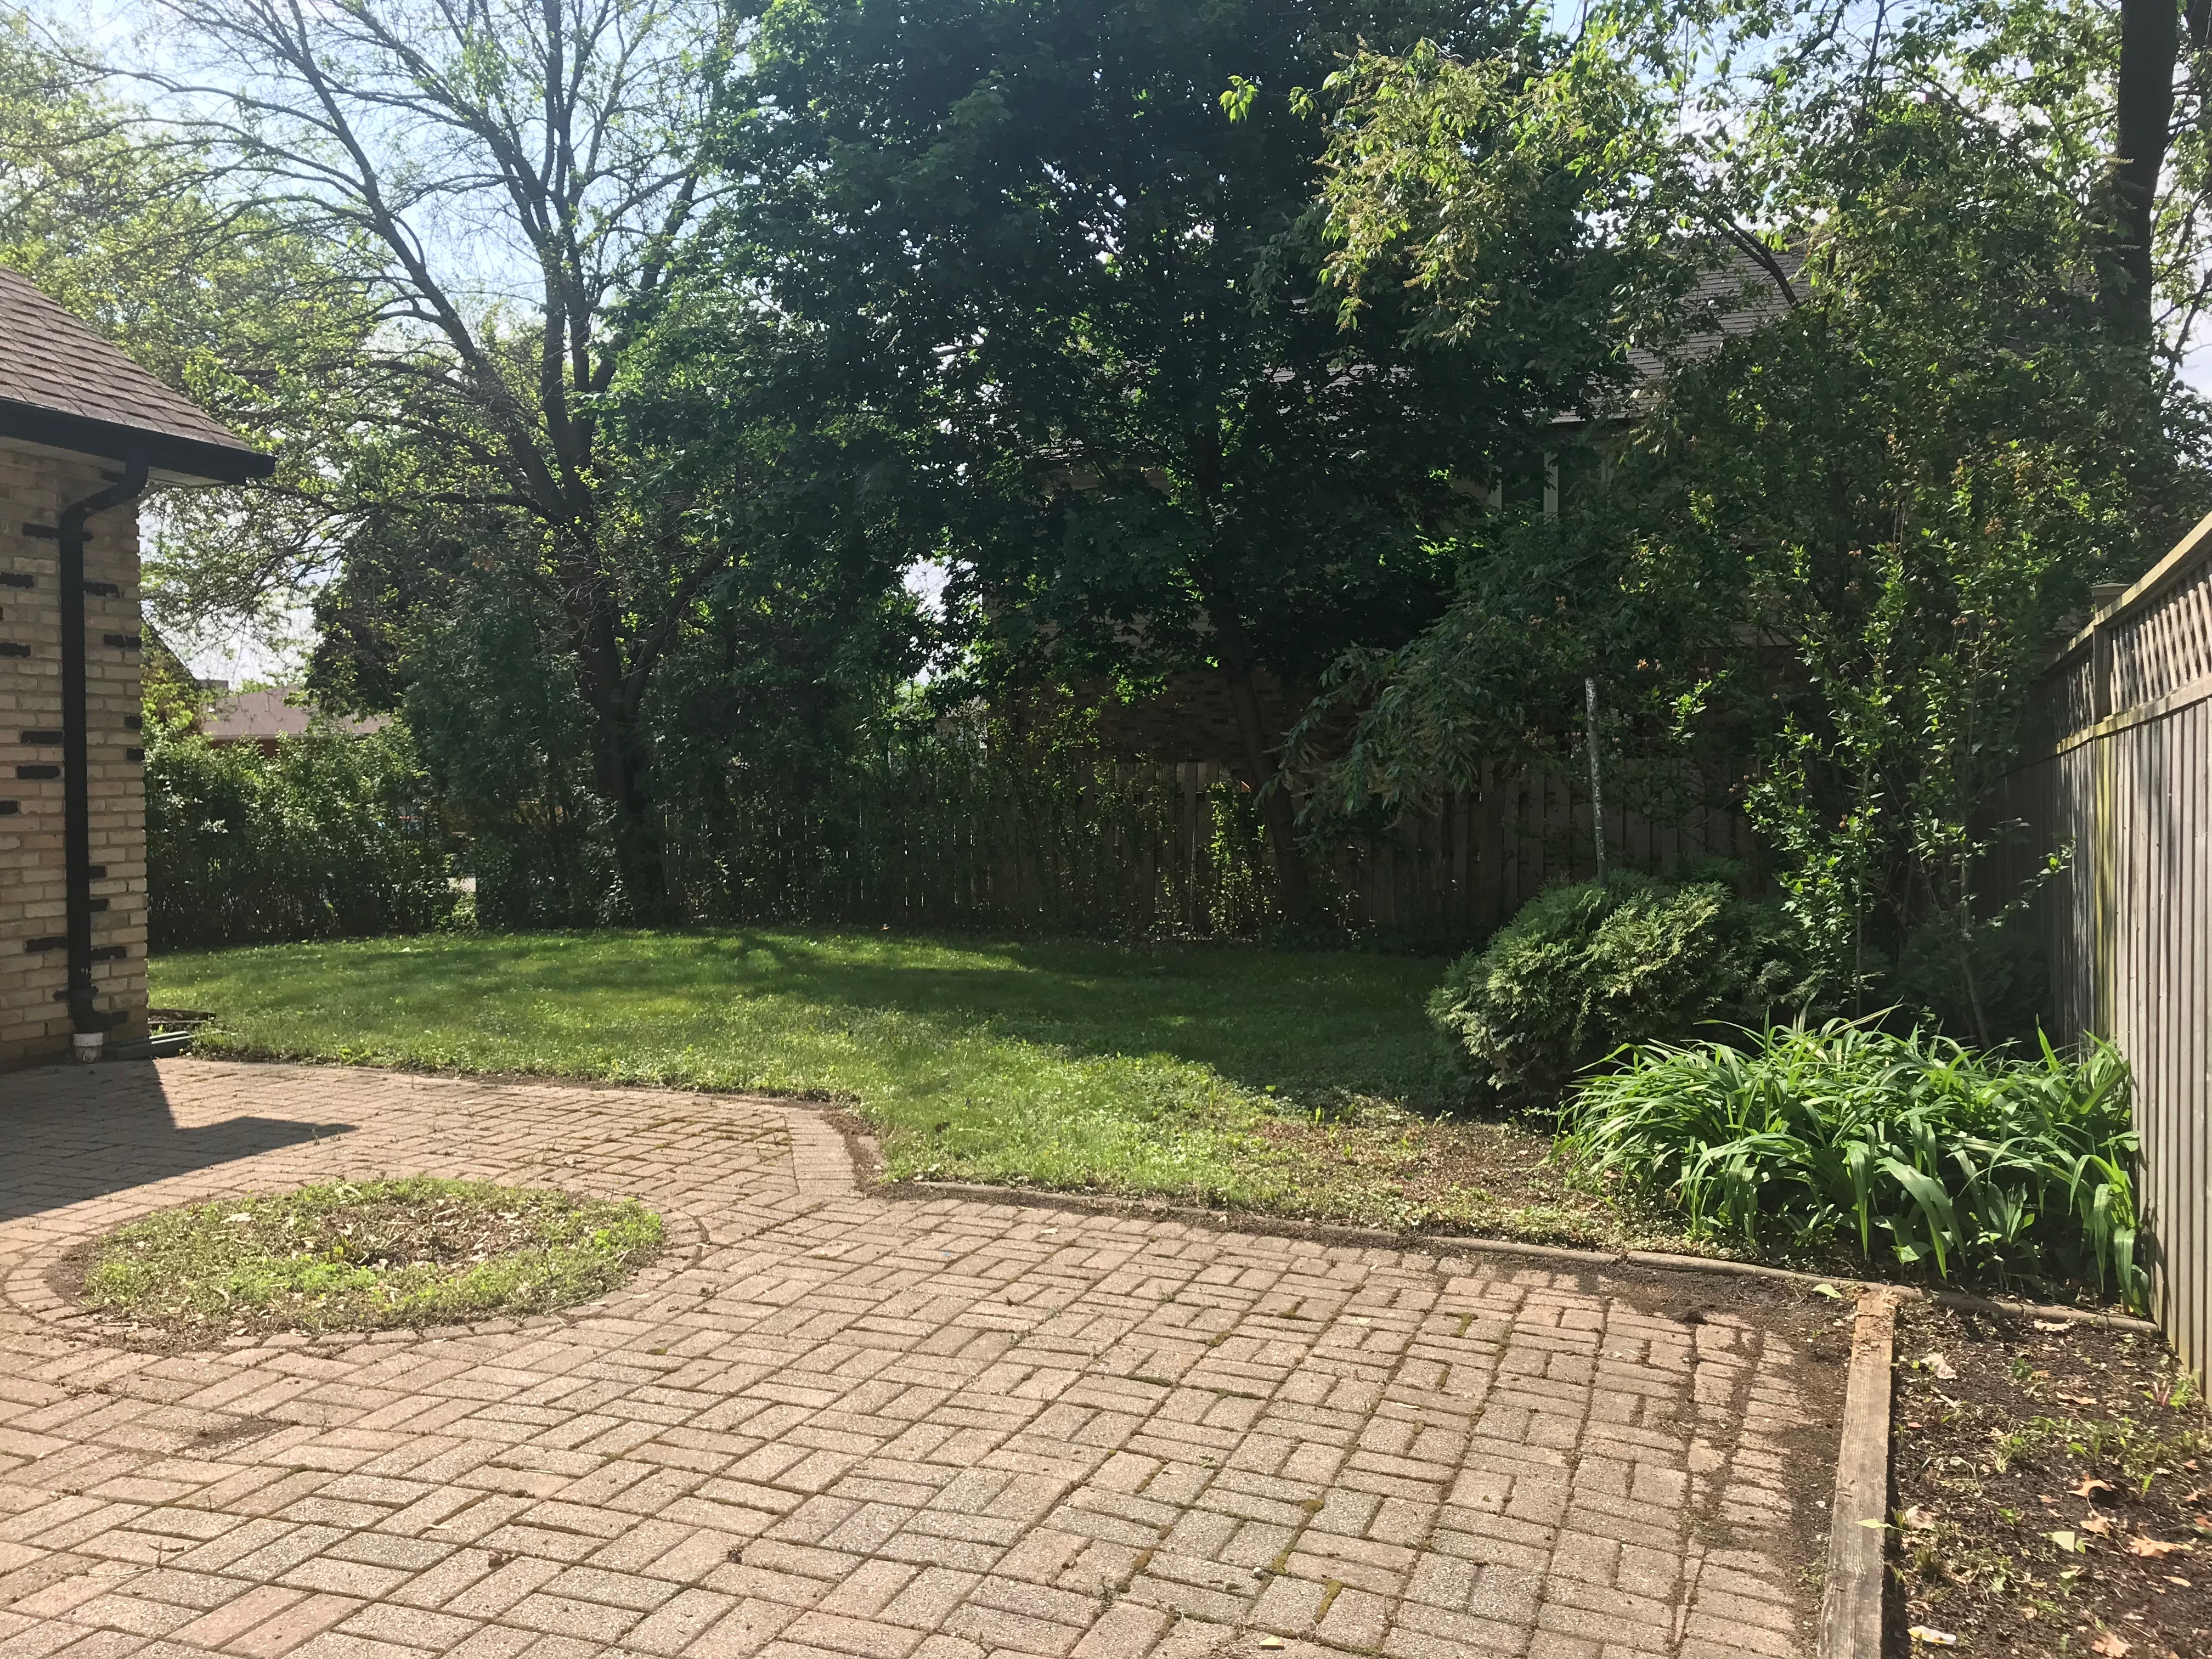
1294 1082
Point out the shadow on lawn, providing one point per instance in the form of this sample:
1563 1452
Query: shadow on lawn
1300 1023
70 1134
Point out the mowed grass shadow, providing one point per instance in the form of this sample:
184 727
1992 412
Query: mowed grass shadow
1299 1024
1065 1063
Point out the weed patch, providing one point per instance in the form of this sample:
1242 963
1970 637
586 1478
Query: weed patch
365 1255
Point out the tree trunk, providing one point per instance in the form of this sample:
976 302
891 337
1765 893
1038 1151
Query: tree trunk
621 762
1293 889
621 769
1292 884
2150 38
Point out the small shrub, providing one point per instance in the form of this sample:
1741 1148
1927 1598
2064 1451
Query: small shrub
1583 970
1990 990
1911 1146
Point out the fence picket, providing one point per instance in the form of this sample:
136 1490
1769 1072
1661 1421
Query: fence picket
2121 781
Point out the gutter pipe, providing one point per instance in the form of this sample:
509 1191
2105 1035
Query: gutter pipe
86 1020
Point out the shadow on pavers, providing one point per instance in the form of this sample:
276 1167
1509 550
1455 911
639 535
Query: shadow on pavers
69 1134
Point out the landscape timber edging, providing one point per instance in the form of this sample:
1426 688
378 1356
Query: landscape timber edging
1858 1520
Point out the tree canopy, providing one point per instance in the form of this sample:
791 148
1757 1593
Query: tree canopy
1829 556
629 357
1034 244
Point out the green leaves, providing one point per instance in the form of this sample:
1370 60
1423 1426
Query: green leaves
1103 338
1911 1147
326 835
1830 551
1582 967
1477 180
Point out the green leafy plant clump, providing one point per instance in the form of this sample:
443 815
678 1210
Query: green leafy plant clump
326 835
367 1256
1973 1165
1584 968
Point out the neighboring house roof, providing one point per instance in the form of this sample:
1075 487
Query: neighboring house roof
1734 299
265 716
64 387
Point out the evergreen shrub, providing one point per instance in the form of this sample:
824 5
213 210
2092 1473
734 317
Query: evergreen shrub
1585 969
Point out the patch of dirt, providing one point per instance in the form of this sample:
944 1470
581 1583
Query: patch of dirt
228 1434
861 1145
1384 1174
1412 1173
2053 1490
390 1234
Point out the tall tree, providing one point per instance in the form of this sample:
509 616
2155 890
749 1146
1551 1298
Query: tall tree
785 656
1031 237
2143 104
215 294
505 177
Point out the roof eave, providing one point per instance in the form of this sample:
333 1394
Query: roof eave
165 451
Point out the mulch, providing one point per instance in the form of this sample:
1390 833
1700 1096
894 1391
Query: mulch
2053 1491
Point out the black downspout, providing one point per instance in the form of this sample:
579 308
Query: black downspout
76 782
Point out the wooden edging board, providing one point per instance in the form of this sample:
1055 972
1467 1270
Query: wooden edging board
1850 1605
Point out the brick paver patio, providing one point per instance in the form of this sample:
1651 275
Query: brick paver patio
836 1424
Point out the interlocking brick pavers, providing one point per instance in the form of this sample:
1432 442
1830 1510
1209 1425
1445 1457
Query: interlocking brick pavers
829 1423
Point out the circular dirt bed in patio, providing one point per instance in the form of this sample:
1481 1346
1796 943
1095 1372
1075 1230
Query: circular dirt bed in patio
358 1256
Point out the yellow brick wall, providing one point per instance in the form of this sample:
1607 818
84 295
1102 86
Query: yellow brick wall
34 1025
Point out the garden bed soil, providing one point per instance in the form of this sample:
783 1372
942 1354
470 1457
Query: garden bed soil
1398 1170
2053 1492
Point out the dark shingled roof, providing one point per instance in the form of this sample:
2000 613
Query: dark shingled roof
1737 299
64 387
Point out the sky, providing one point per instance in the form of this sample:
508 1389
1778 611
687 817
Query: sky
245 659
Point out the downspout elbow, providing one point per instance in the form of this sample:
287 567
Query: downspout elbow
121 493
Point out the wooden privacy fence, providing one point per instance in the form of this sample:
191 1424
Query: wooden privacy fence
2121 778
943 833
1455 874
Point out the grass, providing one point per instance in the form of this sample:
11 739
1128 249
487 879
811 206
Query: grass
367 1255
1296 1084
